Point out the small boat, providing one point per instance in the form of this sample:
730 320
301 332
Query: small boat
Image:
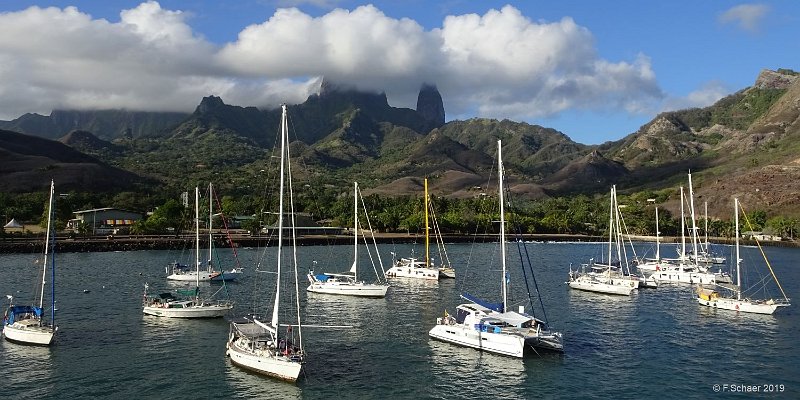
713 296
423 269
191 305
348 283
25 323
609 277
182 272
493 327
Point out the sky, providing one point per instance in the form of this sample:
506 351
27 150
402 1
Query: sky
594 70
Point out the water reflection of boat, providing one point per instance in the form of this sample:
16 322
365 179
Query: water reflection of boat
492 371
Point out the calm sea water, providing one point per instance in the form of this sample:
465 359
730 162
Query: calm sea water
656 343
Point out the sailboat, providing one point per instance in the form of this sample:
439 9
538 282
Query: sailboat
710 297
348 283
262 346
492 327
167 305
25 324
411 267
185 273
685 269
445 268
609 277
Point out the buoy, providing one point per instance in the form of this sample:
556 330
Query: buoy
85 290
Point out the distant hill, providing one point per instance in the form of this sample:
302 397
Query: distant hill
106 124
29 163
746 145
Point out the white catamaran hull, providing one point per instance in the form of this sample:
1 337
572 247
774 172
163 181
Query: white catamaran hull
29 333
498 343
683 277
265 363
739 305
594 286
214 311
360 290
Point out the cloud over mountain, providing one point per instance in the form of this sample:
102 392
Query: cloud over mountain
501 64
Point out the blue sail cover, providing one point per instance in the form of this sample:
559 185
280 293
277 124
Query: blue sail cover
492 306
16 310
322 277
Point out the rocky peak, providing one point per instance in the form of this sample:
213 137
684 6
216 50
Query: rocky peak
662 125
780 79
208 104
430 105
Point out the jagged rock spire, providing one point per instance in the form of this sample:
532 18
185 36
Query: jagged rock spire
430 105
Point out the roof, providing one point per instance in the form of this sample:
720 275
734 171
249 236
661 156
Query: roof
13 224
104 209
511 318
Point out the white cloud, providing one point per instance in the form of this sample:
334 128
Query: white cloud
708 94
500 64
745 16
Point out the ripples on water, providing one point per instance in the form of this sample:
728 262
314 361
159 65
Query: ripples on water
655 343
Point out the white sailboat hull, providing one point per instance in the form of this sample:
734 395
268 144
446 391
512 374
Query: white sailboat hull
349 289
740 305
412 272
264 362
624 289
207 311
193 276
35 334
230 275
498 343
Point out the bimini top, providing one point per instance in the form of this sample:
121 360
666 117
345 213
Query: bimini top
17 310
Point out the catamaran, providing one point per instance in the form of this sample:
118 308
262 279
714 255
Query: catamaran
493 327
713 296
348 283
24 323
267 347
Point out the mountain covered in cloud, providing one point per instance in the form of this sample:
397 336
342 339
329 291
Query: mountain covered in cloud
744 142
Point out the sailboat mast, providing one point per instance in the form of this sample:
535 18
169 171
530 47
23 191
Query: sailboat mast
620 241
284 133
197 235
502 222
610 224
683 230
47 243
210 223
705 213
354 268
694 225
658 243
738 259
427 228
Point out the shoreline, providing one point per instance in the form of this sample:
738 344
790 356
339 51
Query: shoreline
171 242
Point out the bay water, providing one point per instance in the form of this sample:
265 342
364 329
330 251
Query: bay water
655 343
